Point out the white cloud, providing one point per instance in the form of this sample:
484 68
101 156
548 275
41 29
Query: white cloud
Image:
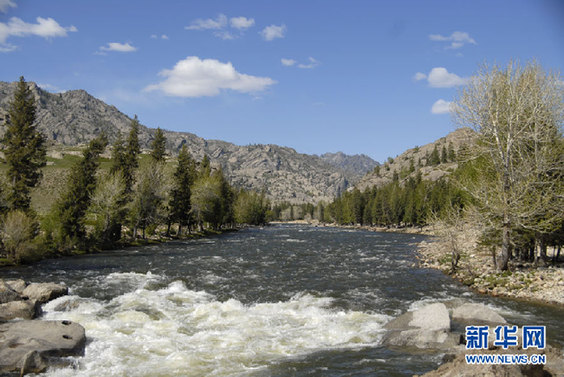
272 32
439 77
419 76
312 64
242 23
45 27
441 107
50 88
288 62
155 36
223 34
119 47
457 39
200 24
5 4
194 77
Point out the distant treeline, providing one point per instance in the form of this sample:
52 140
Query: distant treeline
103 209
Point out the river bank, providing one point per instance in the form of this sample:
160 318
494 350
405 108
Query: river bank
524 281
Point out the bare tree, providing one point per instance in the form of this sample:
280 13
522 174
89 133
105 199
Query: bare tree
518 113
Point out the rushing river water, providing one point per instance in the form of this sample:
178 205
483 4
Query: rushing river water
285 300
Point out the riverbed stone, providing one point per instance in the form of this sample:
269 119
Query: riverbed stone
19 309
7 293
44 292
17 285
477 314
427 327
32 346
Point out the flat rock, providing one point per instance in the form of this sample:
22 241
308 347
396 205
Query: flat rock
19 309
44 292
427 327
476 314
31 346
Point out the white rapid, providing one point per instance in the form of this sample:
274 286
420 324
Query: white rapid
175 331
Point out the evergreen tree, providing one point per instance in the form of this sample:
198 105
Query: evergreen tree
145 208
118 155
444 156
71 208
158 147
179 204
132 150
205 167
451 154
24 148
435 158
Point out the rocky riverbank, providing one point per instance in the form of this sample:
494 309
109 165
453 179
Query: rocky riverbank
543 284
440 327
31 346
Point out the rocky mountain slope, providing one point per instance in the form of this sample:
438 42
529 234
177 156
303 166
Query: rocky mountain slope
356 166
75 117
420 159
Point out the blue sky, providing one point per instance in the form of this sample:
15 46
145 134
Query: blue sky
371 77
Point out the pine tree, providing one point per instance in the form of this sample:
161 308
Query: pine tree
24 148
71 208
205 167
180 196
158 147
444 156
132 150
118 155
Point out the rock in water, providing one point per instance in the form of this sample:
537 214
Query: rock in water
427 327
44 292
29 346
19 309
7 293
476 314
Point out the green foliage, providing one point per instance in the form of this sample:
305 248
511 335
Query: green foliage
18 231
434 159
146 206
107 210
183 179
24 148
205 167
158 146
70 209
251 208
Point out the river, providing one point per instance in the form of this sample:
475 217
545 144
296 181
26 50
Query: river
285 300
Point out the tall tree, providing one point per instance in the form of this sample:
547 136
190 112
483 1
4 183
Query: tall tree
518 113
180 196
131 151
24 148
71 208
158 146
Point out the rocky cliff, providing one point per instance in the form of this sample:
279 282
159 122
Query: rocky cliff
75 117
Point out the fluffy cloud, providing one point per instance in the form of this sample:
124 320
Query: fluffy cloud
194 77
6 4
456 39
288 62
155 36
45 27
119 47
272 32
242 23
441 107
439 77
200 24
312 64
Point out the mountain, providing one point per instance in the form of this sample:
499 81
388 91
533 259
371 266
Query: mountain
76 117
356 166
421 159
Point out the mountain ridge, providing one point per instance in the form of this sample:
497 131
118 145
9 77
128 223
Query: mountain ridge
75 117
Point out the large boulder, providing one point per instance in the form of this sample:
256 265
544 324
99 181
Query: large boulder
476 314
427 327
31 346
19 309
7 293
44 292
17 285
